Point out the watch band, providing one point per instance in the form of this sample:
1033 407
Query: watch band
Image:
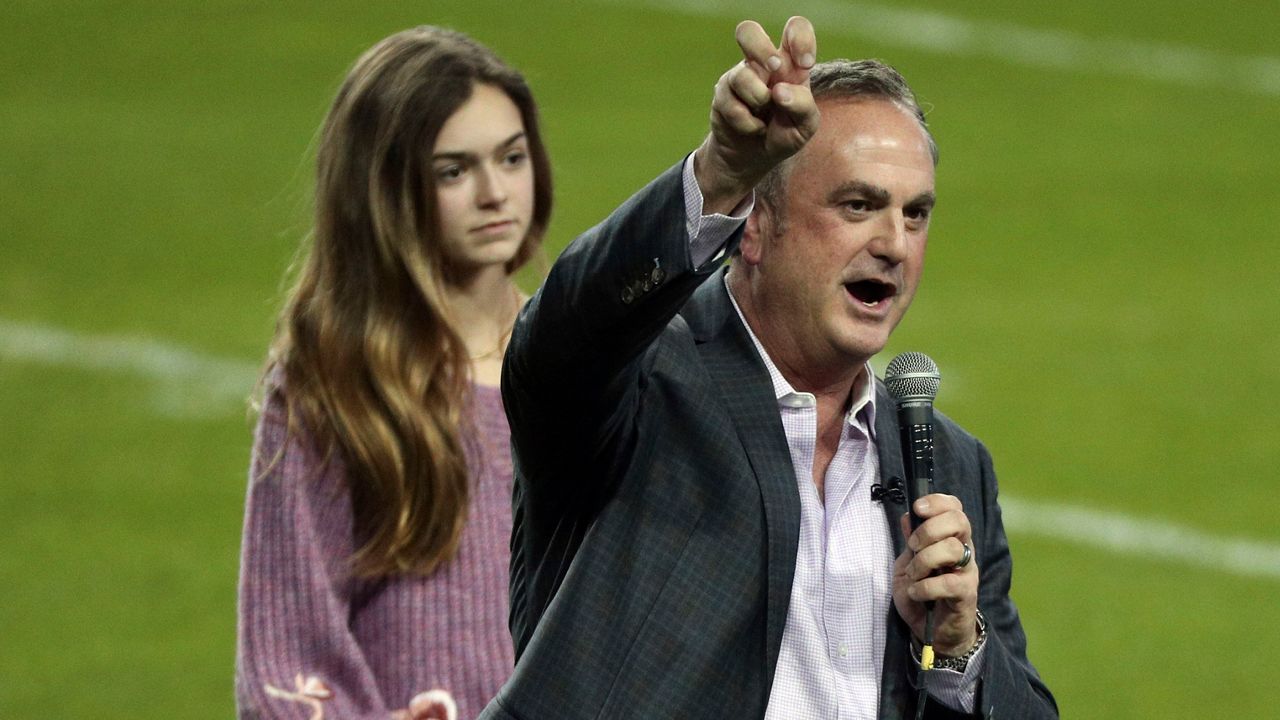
961 662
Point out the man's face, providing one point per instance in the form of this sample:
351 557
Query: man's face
836 275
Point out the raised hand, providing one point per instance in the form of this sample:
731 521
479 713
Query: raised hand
762 113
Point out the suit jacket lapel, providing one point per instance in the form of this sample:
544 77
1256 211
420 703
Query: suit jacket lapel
743 385
895 690
889 450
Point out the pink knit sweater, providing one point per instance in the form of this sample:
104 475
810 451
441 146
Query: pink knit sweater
313 642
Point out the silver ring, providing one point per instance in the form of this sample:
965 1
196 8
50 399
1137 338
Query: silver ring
964 559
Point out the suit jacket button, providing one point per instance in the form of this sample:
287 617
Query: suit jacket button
657 276
628 295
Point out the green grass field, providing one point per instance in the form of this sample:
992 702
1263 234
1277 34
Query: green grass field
1099 295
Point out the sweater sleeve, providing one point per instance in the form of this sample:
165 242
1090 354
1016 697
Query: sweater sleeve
296 656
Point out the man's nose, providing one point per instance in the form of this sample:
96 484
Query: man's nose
890 240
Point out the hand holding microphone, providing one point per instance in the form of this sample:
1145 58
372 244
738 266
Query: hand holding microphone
937 571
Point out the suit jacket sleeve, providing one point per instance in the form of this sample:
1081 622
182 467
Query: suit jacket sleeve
1010 686
573 367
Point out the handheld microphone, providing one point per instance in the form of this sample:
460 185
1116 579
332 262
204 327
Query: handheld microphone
913 379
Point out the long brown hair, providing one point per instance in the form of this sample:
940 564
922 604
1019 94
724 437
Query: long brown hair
373 365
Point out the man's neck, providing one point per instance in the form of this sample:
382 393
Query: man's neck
832 381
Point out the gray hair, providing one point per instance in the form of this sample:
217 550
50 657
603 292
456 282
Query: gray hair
847 79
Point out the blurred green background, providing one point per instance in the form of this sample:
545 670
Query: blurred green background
1099 295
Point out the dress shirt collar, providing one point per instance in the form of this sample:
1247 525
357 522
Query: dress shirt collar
862 409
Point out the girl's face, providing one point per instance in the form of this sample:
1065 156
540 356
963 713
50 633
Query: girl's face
484 181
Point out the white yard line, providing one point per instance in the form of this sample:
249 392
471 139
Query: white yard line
190 384
186 383
1128 535
951 35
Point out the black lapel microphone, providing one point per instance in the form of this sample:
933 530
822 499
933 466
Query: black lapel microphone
913 379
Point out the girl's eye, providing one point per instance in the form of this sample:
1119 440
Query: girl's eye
449 173
515 158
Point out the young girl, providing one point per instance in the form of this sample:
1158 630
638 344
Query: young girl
374 565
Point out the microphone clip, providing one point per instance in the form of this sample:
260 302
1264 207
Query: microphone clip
893 492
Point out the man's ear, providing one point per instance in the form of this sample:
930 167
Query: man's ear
752 243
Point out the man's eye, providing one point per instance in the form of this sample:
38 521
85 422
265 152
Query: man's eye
858 206
920 214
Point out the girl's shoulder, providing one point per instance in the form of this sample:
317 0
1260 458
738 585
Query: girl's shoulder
285 450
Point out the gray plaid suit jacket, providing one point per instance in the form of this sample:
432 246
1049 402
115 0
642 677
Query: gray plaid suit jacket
656 509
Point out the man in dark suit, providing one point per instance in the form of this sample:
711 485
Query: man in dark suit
707 521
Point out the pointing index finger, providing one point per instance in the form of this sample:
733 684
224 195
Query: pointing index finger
756 46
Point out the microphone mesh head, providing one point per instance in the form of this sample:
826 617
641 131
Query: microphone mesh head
912 376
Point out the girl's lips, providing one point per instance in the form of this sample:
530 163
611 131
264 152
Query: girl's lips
492 228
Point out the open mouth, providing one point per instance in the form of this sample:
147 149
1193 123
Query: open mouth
871 292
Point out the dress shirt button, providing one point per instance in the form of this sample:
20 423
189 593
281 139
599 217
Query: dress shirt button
844 651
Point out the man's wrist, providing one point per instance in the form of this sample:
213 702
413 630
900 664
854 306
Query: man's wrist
956 661
959 662
722 192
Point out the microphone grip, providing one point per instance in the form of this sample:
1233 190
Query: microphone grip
915 424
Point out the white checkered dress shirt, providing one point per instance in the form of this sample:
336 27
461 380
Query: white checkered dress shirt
833 646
